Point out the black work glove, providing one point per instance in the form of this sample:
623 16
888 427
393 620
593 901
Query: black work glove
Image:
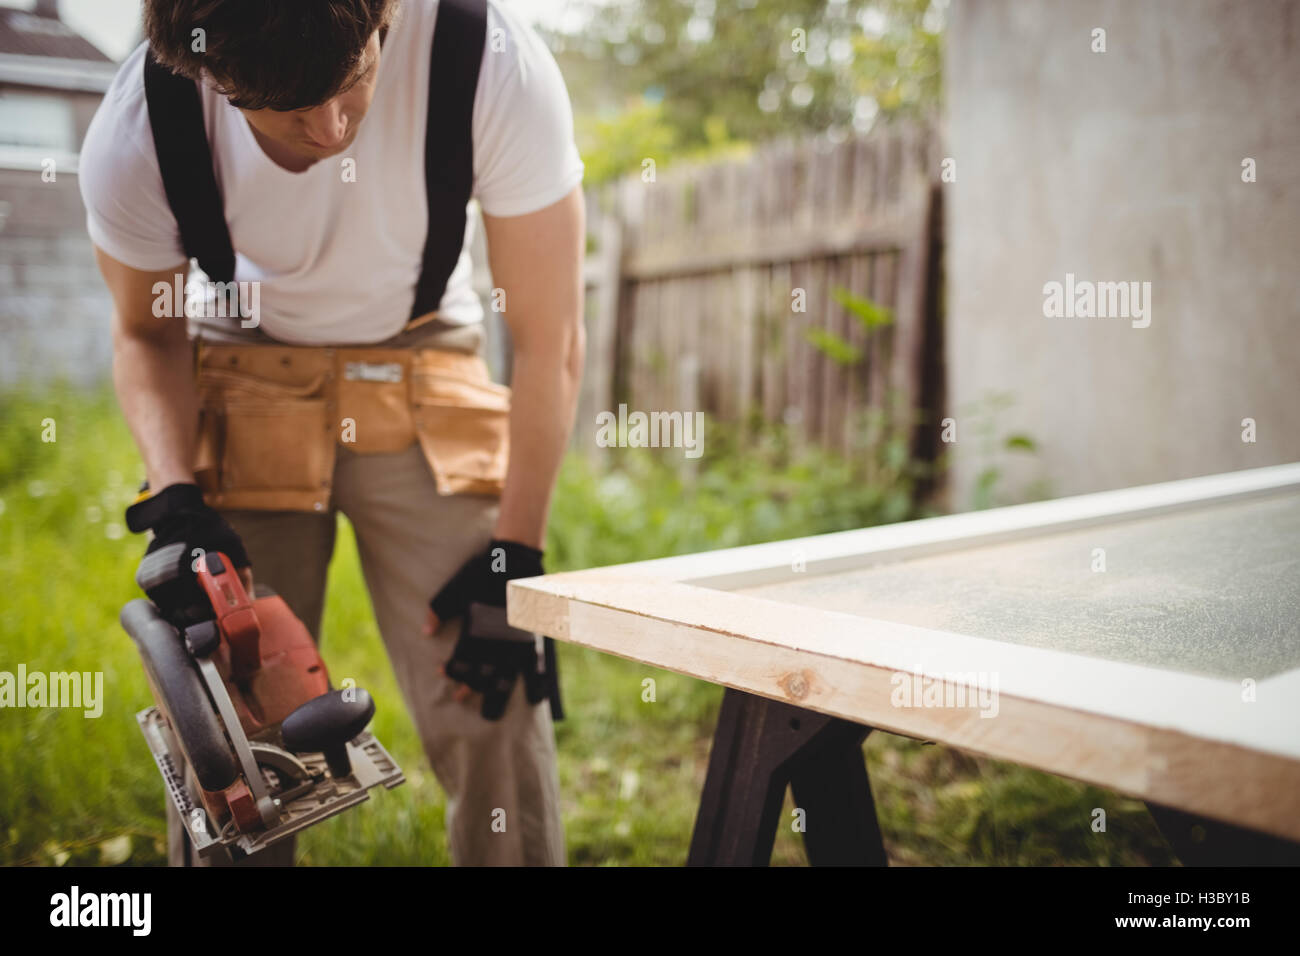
490 654
181 522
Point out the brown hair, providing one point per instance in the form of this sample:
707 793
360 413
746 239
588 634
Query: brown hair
266 54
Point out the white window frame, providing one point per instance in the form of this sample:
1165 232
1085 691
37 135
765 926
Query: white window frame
1178 739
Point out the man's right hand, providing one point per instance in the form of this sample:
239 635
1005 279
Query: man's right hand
178 515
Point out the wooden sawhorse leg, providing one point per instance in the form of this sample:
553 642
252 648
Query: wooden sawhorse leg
762 746
1198 841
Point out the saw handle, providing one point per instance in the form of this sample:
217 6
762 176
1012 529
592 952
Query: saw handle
234 612
326 723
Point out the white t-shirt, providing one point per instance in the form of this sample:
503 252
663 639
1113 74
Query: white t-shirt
338 260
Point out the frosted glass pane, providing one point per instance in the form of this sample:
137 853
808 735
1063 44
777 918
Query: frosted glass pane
1214 590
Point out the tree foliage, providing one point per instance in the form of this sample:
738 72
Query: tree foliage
697 74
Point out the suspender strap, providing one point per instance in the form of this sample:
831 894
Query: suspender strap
458 41
176 118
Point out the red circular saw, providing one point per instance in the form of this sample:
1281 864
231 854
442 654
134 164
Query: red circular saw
252 743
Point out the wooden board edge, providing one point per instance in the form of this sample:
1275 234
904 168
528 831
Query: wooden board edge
1136 693
1248 787
533 608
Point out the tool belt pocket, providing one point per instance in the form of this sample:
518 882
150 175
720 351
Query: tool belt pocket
273 417
462 422
374 406
265 442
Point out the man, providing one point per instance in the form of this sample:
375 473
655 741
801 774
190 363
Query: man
315 116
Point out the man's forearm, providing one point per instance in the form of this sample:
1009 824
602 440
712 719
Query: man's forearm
536 259
545 394
155 389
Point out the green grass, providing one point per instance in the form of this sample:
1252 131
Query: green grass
78 790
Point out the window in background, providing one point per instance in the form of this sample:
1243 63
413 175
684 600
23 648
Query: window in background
35 127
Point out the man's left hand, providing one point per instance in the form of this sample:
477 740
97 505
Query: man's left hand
489 654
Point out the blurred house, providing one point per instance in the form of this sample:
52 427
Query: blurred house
53 306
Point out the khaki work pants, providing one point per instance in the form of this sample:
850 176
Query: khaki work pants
411 540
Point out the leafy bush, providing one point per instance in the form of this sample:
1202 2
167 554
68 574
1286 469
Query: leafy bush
752 485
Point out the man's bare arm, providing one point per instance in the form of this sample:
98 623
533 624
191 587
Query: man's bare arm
152 372
537 260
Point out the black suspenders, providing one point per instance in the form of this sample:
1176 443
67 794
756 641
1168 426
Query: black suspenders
176 118
185 159
458 39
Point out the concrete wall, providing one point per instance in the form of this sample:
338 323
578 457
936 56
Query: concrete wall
1124 165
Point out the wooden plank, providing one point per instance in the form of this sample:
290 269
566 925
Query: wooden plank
822 368
770 403
721 353
893 184
817 365
776 296
602 330
711 355
736 302
776 306
883 270
884 169
1175 737
686 332
688 258
852 395
747 323
836 379
650 217
806 187
865 161
840 381
663 387
909 333
797 383
696 632
649 306
793 322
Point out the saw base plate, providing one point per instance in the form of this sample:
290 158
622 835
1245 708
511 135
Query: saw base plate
372 766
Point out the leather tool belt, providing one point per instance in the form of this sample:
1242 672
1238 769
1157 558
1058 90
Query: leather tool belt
272 419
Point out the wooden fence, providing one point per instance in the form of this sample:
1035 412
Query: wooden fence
694 279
